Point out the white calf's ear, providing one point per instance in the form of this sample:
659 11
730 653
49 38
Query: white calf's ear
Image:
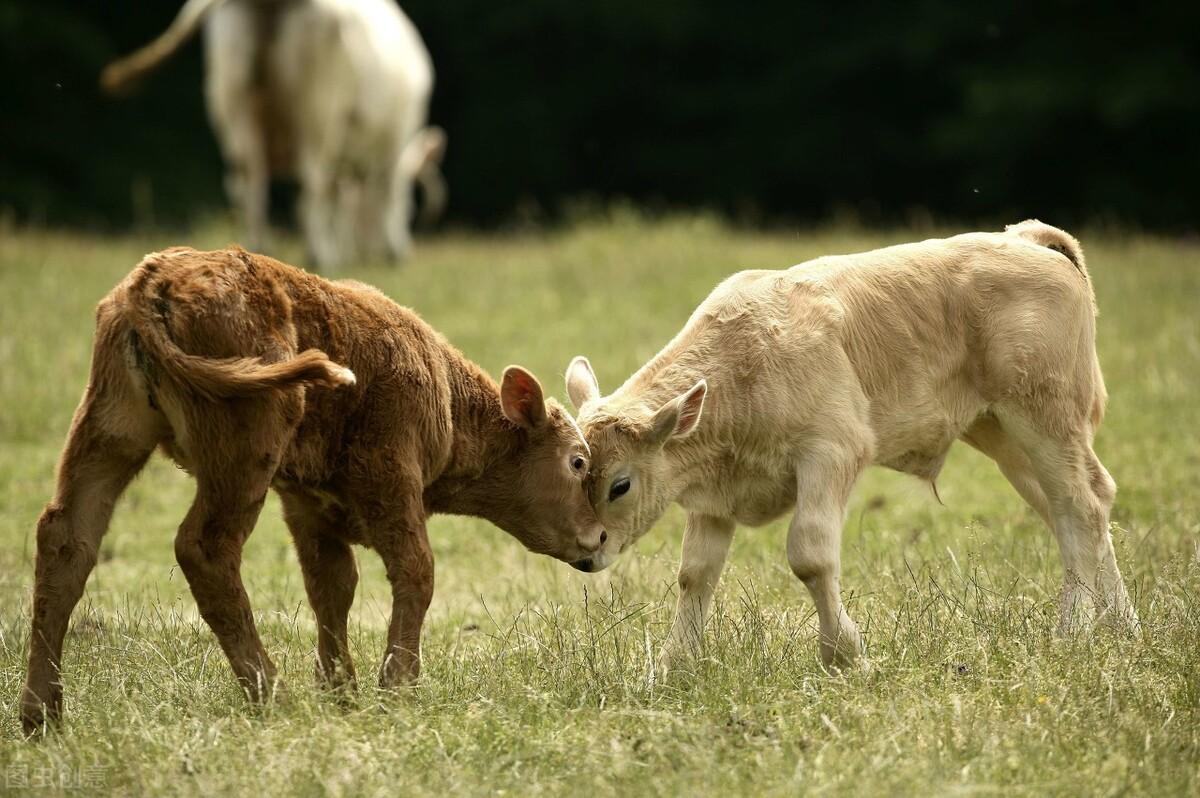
521 398
678 418
581 382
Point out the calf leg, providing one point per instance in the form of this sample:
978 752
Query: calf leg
409 563
235 448
705 545
209 550
1079 494
95 468
397 533
989 437
330 578
824 480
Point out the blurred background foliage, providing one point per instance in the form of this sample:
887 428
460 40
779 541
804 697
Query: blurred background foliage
1077 112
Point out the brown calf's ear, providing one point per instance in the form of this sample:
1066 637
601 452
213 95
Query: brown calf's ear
581 382
678 418
521 398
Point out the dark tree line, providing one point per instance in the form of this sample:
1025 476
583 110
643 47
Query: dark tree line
971 111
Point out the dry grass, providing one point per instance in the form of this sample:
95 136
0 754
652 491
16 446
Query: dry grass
536 676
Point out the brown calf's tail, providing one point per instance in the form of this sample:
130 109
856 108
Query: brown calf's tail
1050 237
222 378
244 376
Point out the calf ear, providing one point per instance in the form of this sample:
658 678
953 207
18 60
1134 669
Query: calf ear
679 417
521 398
581 382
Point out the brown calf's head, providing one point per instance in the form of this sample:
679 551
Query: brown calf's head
536 491
629 483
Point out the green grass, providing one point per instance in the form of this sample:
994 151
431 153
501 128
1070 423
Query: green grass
535 676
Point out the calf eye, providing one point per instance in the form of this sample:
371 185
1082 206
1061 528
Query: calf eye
578 464
618 489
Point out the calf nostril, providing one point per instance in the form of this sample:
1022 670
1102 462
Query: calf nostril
603 536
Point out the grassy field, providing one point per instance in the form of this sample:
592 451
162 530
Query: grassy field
535 676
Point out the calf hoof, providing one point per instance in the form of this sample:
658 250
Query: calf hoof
843 653
338 680
399 672
38 715
262 688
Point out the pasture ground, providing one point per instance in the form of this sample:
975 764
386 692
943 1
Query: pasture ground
535 676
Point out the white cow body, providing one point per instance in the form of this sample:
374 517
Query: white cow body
332 92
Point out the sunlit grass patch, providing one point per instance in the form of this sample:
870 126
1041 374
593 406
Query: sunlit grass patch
541 680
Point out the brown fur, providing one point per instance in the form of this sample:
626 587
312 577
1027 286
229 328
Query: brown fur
251 374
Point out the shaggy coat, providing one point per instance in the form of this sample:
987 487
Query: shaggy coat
785 385
251 375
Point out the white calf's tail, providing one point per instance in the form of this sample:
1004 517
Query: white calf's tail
1050 237
121 75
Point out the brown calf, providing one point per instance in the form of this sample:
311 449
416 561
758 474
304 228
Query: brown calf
229 362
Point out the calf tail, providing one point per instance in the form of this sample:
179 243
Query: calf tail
1060 241
123 74
219 378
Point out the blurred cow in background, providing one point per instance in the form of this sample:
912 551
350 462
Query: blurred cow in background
332 92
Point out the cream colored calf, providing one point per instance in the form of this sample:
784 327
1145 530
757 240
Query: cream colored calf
785 385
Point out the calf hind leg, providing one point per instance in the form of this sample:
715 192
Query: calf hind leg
96 466
1079 494
330 578
208 547
236 457
989 437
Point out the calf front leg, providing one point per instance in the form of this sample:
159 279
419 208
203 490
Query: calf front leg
705 546
814 543
403 544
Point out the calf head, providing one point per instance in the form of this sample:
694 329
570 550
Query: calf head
535 490
630 481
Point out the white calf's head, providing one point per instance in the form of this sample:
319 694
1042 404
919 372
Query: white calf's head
629 482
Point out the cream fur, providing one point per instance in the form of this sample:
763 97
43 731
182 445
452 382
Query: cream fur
887 357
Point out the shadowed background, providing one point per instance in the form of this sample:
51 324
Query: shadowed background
971 112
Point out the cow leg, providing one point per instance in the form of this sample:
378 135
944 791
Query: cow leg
705 545
1079 493
824 479
320 212
234 109
330 578
397 220
96 466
